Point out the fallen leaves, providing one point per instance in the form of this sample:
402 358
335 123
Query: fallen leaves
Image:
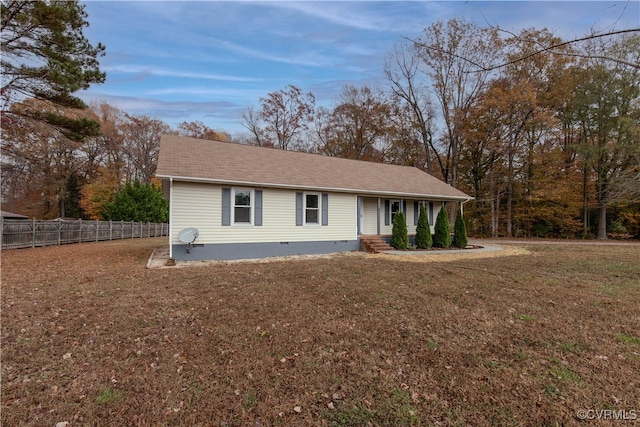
309 342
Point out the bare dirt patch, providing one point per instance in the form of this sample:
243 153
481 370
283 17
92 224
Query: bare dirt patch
454 255
92 337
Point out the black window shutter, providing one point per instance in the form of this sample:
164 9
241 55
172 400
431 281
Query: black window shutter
416 211
299 208
257 210
226 206
325 209
386 212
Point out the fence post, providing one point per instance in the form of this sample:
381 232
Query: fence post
97 229
59 226
33 234
110 230
80 230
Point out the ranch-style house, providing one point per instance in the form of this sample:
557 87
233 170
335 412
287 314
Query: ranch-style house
254 202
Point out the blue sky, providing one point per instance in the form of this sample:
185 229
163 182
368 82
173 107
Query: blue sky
210 60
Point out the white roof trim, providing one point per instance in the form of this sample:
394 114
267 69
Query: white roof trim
315 188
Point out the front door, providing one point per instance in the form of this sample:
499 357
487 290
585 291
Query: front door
369 215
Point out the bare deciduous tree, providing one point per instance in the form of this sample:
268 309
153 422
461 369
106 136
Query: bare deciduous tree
409 84
283 117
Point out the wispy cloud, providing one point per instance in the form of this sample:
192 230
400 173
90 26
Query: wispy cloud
153 70
240 95
306 57
172 112
339 13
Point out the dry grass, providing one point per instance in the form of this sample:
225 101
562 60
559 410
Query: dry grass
91 337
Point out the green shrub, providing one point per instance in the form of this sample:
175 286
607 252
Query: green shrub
460 232
137 202
423 230
442 236
399 234
617 227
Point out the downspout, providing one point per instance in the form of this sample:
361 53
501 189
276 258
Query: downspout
462 206
170 216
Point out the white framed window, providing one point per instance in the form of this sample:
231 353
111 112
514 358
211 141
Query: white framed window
312 208
242 206
395 207
428 207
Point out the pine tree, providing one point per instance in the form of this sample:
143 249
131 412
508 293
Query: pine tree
70 204
423 230
460 232
399 234
442 236
45 55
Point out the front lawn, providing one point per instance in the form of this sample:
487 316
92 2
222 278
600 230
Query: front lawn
91 337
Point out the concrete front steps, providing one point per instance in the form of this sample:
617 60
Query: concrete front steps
373 244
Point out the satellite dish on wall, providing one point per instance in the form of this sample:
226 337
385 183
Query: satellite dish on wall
188 236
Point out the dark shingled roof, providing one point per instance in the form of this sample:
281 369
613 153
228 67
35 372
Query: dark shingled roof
193 159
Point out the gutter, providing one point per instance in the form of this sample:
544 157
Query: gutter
463 199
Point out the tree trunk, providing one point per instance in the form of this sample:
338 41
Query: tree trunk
510 192
585 201
454 172
602 221
62 207
492 198
602 210
603 199
426 142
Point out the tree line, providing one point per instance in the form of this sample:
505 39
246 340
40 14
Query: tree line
543 133
47 175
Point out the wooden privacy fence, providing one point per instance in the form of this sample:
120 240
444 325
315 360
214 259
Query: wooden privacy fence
30 233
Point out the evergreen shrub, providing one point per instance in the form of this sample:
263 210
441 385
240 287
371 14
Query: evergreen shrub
399 234
442 236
